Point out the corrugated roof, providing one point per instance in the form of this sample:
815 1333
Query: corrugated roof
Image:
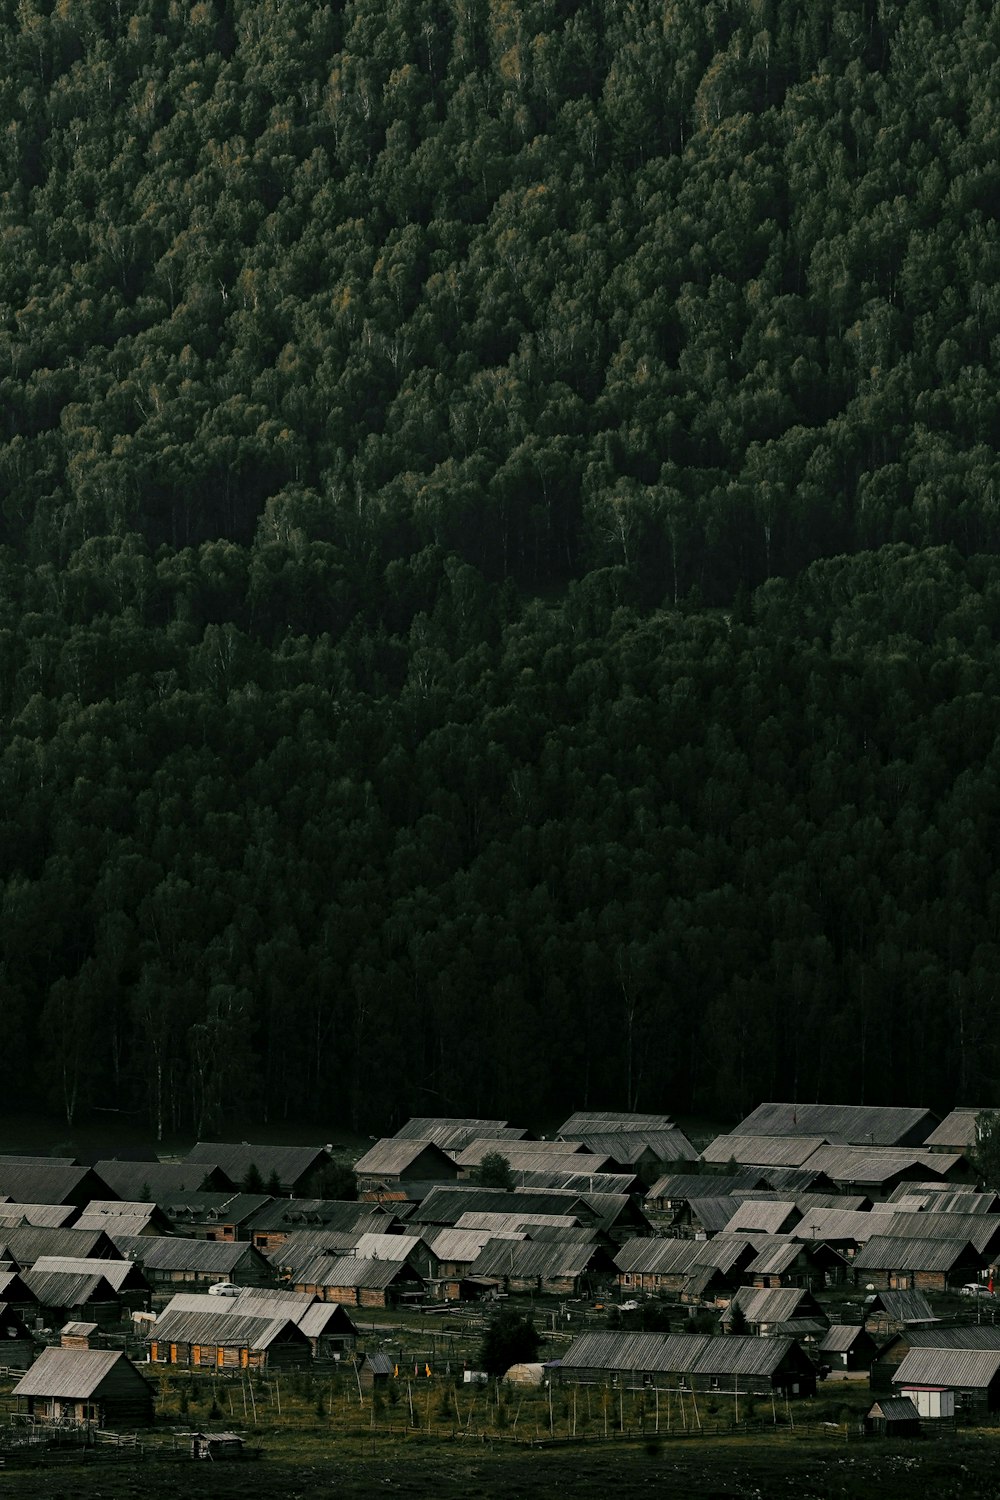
291 1163
981 1230
884 1254
35 1215
391 1156
79 1330
350 1271
452 1134
517 1223
713 1214
280 1214
521 1258
877 1164
74 1374
46 1183
854 1124
940 1197
115 1272
67 1288
578 1182
694 1354
957 1130
837 1226
206 1257
895 1409
772 1304
27 1244
840 1338
446 1205
117 1223
968 1336
763 1218
763 1150
133 1179
221 1328
589 1121
903 1307
679 1186
958 1369
472 1153
776 1259
386 1246
629 1146
463 1245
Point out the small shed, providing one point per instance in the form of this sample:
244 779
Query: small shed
893 1416
526 1374
77 1335
218 1446
375 1369
847 1346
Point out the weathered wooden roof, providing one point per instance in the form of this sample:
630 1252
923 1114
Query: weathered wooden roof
115 1272
73 1374
453 1134
351 1271
763 1150
588 1121
68 1288
521 1258
631 1145
968 1369
27 1244
172 1253
391 1156
694 1354
35 1215
840 1338
79 1330
853 1124
966 1336
223 1328
877 1164
680 1186
472 1153
940 1197
133 1179
288 1214
773 1304
463 1245
290 1163
754 1216
369 1246
912 1254
957 1130
47 1183
909 1306
537 1181
516 1223
895 1409
981 1230
775 1259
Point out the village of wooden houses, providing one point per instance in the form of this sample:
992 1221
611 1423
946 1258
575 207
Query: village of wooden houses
826 1256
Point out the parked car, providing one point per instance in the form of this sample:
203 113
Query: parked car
975 1289
630 1306
224 1289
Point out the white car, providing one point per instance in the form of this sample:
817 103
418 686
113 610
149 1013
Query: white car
975 1289
630 1306
224 1289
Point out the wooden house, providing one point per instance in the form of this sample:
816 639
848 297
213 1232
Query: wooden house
739 1364
79 1295
220 1447
453 1134
971 1375
846 1346
99 1386
159 1181
215 1216
271 1226
889 1312
124 1216
891 1354
765 1308
124 1276
564 1268
228 1340
923 1264
192 1262
357 1282
42 1181
399 1169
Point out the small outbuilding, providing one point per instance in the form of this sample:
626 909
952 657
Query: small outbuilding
893 1416
218 1446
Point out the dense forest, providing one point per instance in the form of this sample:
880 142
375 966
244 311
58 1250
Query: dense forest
500 552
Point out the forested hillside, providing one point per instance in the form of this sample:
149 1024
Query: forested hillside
499 593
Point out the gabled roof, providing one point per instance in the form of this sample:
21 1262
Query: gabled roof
895 1409
73 1374
901 1307
878 1164
763 1150
133 1179
392 1156
453 1134
968 1336
957 1131
775 1259
558 1180
27 1244
351 1271
773 1304
981 1230
205 1257
214 1207
628 1146
884 1254
290 1214
521 1258
117 1273
587 1121
35 1215
679 1186
224 1329
51 1184
970 1369
753 1216
842 1337
853 1124
695 1354
68 1288
291 1164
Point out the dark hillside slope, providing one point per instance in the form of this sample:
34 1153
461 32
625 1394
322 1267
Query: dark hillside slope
333 341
